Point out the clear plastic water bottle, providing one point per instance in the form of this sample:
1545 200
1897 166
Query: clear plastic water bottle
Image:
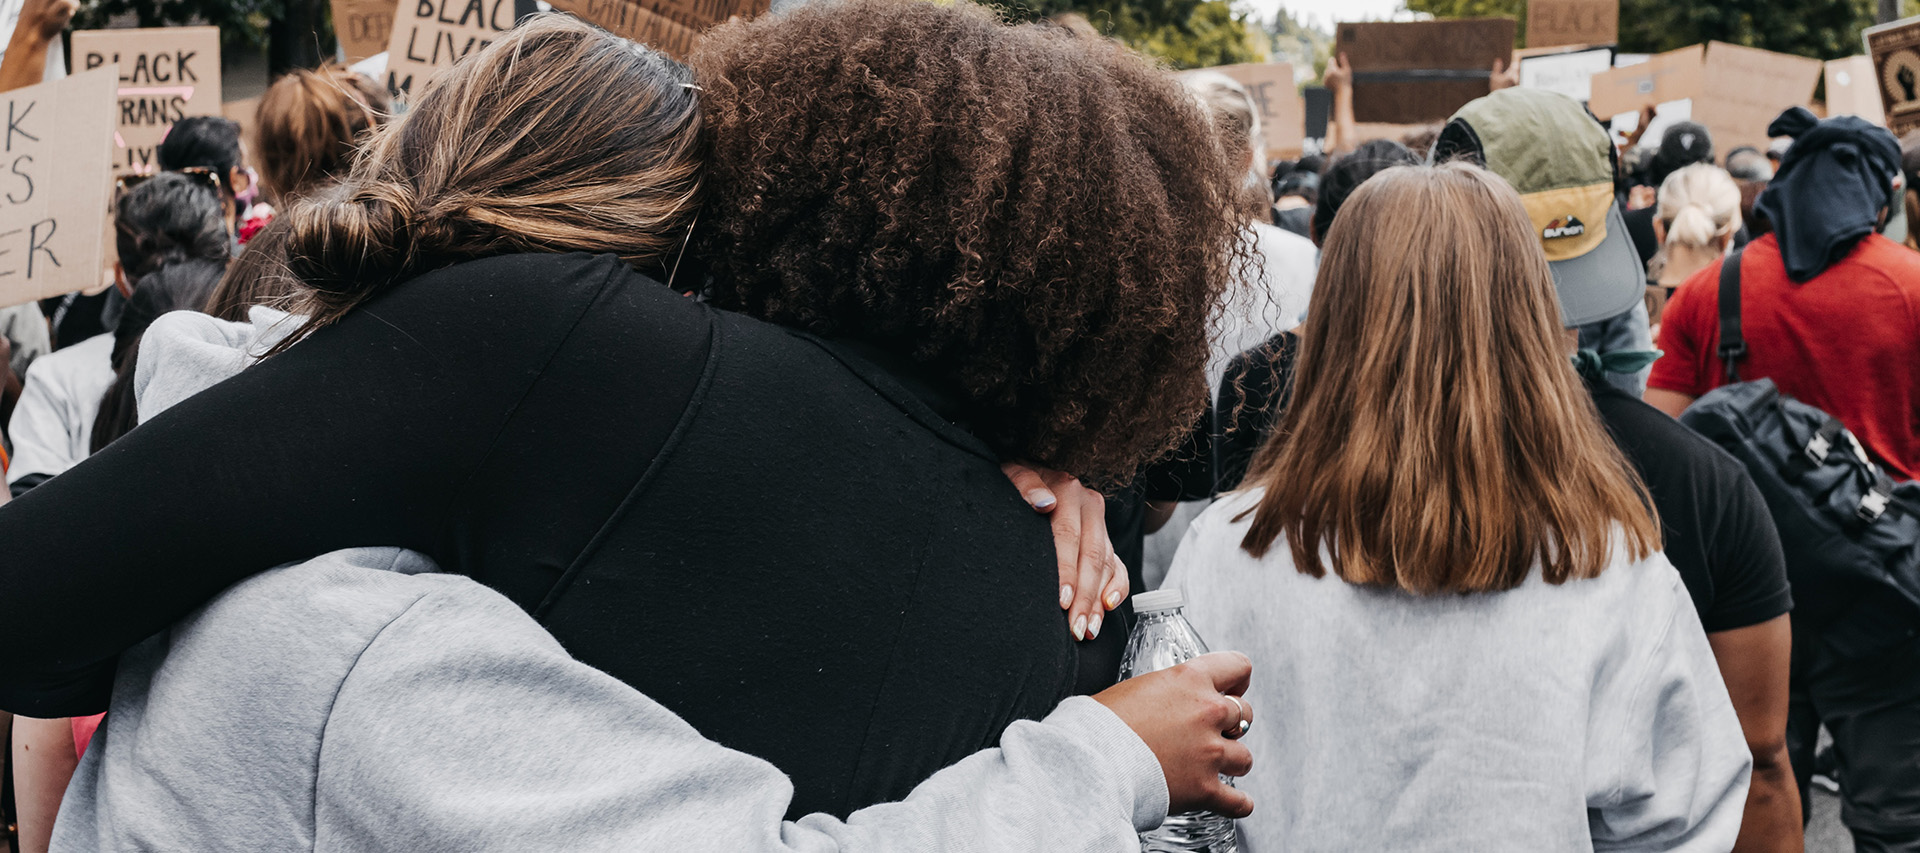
1162 638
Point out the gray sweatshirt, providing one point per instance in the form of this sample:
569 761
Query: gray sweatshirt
1584 716
362 701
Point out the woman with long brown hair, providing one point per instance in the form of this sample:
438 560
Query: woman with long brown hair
1469 638
788 525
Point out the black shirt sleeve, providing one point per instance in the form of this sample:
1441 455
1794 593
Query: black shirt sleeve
1749 567
364 434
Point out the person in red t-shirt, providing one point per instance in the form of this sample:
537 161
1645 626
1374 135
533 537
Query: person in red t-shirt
1846 341
1831 313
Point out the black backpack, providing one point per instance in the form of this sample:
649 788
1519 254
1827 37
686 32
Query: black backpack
1851 535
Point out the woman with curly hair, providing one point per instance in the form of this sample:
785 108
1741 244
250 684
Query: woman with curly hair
793 534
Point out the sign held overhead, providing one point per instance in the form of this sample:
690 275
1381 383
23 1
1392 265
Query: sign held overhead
57 182
1417 72
1577 23
432 34
1895 52
1282 111
166 74
670 26
363 26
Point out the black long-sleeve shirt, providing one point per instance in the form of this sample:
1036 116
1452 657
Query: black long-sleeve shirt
757 528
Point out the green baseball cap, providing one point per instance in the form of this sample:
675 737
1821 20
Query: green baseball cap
1561 161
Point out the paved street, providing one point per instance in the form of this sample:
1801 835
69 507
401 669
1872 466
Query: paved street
1824 832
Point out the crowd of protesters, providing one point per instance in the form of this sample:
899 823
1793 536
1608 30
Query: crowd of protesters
756 453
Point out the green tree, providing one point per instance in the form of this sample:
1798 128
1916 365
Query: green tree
1184 33
1824 28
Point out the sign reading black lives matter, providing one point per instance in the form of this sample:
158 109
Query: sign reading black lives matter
1895 49
166 74
432 34
55 185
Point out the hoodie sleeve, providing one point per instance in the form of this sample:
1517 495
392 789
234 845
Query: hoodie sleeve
464 726
1671 760
363 434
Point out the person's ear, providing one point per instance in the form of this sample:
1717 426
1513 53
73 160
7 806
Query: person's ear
120 281
239 180
1659 231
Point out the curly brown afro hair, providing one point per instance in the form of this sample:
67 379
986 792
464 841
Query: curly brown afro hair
1035 217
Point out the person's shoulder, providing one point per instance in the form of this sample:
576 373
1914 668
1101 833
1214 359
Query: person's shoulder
1643 431
1276 240
87 358
528 285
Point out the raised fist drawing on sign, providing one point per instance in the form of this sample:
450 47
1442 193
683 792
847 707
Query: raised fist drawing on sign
1906 80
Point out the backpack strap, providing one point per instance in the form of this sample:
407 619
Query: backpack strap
1733 346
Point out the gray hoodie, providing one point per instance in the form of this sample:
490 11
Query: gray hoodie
364 701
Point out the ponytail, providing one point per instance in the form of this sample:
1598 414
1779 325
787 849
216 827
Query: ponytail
1700 206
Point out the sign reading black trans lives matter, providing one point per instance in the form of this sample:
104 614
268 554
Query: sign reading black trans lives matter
166 74
56 176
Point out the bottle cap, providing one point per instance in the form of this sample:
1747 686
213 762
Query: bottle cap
1159 599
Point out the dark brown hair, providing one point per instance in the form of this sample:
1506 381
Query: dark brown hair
308 125
1438 439
1039 219
258 277
181 286
557 137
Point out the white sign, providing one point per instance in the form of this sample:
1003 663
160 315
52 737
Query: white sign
1569 74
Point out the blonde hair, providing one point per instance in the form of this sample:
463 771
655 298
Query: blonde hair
557 137
1237 123
1700 206
1439 439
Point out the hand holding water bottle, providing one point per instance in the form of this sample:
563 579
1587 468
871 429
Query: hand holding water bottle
1182 713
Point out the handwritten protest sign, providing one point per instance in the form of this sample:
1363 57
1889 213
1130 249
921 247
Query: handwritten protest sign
1895 52
1557 23
1852 90
363 26
1283 114
433 34
1743 89
166 74
1413 72
1569 74
57 181
1664 77
670 26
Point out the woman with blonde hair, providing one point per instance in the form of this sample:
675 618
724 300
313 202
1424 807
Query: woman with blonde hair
1697 217
1469 637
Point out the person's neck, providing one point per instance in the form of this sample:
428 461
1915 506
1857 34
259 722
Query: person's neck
1684 261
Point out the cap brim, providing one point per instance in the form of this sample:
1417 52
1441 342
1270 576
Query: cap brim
1603 283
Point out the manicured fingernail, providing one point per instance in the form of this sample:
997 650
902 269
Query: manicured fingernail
1040 499
1093 626
1113 599
1079 627
1066 596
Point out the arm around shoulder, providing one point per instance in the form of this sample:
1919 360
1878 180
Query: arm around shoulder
464 705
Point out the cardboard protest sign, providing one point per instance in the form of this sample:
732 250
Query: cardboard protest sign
363 26
1895 52
1671 76
1415 72
243 113
1743 89
1283 113
1556 23
670 26
1569 74
1852 89
166 74
432 34
56 185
